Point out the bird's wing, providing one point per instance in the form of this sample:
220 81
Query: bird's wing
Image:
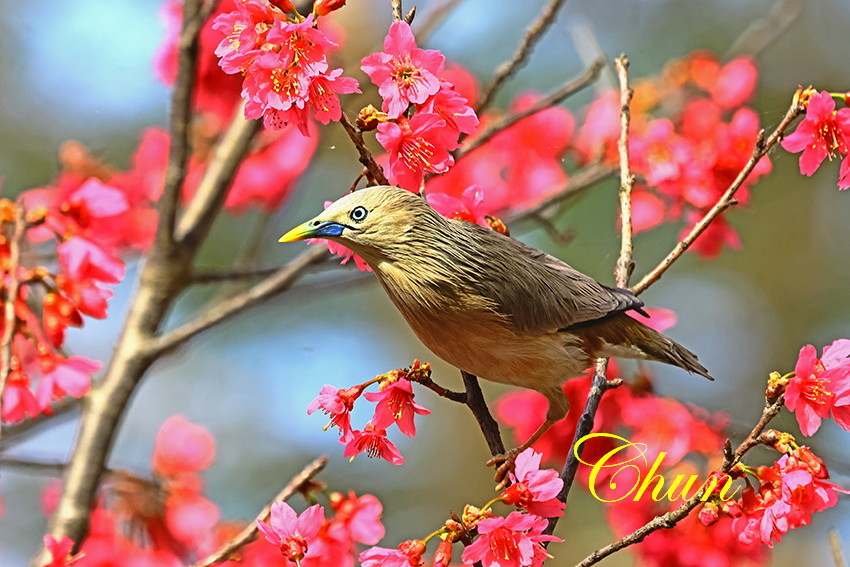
539 293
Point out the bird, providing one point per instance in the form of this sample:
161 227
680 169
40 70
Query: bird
488 304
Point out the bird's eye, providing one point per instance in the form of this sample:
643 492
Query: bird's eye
358 214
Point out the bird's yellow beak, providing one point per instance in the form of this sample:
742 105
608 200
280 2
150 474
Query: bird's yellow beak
313 229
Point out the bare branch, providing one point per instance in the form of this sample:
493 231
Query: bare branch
181 112
570 87
279 281
59 411
11 296
234 145
673 517
214 276
725 201
249 534
533 33
625 264
396 5
764 31
373 170
476 403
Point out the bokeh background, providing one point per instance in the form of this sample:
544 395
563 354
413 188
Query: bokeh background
82 70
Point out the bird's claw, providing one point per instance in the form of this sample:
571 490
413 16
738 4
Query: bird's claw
504 464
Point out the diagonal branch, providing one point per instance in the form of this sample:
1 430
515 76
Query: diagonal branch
11 296
476 403
571 86
725 201
281 280
533 33
249 534
671 518
181 112
374 171
234 145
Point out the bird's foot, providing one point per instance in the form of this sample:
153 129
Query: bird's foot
504 464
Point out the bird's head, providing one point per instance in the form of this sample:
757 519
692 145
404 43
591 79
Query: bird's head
371 221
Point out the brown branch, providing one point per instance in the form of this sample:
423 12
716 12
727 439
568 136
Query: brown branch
460 397
234 145
835 546
725 201
476 403
625 263
249 534
18 432
373 170
11 296
764 31
568 88
671 518
212 315
533 33
180 120
214 276
583 179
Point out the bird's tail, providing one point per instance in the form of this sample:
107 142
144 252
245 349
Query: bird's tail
625 337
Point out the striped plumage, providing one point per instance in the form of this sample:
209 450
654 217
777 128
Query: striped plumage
487 303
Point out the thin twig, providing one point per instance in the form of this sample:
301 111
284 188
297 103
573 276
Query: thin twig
764 31
181 111
59 411
48 467
533 33
281 280
214 276
725 201
374 171
460 397
568 88
435 13
476 403
209 197
835 546
625 264
9 313
249 534
673 517
584 178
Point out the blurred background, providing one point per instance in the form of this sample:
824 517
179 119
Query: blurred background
83 70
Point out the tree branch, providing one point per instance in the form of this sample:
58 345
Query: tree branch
533 33
212 315
671 518
625 264
249 534
181 112
234 145
568 88
374 171
11 296
725 201
476 403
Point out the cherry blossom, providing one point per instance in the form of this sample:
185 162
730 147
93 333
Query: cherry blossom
820 387
291 533
395 405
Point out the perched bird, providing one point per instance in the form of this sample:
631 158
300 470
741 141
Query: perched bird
487 303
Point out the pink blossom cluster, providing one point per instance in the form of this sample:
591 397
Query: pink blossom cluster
423 114
820 387
283 59
394 405
687 157
823 133
168 521
515 540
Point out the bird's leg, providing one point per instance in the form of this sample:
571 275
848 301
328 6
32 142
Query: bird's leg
504 463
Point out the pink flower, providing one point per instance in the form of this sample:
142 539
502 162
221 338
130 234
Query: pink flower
18 402
844 174
71 377
385 557
735 83
60 551
534 489
514 541
374 443
821 134
659 319
291 533
396 405
415 147
82 259
357 518
337 404
404 73
470 207
821 386
245 32
182 447
452 108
